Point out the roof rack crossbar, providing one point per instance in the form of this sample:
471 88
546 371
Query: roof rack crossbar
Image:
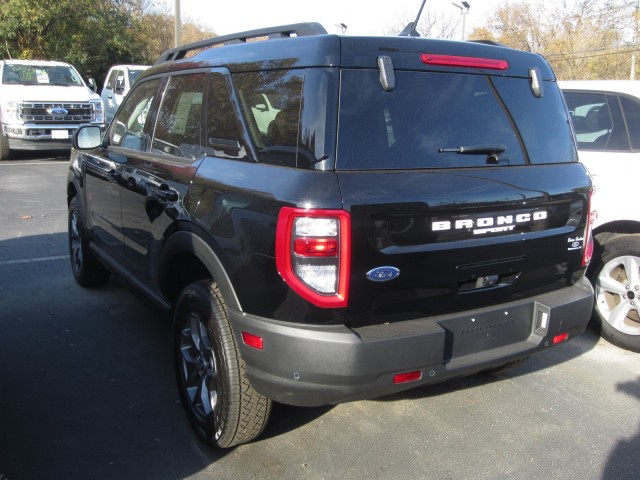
283 31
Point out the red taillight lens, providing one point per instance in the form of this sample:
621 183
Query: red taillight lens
465 62
588 237
315 247
313 254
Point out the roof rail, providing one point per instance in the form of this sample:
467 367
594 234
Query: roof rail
283 31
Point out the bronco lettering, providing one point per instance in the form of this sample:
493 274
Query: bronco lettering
502 223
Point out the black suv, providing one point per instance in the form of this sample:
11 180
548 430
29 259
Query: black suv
331 218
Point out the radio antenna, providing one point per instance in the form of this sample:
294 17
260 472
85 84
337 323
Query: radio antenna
410 29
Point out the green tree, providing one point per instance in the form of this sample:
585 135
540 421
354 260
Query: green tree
90 34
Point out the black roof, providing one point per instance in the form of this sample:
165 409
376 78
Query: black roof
308 45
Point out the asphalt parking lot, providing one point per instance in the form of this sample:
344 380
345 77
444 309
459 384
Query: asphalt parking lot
87 389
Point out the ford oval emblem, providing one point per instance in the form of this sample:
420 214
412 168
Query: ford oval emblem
383 274
57 111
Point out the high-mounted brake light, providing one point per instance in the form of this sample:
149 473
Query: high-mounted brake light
465 62
313 254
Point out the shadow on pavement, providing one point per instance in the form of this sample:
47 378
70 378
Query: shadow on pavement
624 460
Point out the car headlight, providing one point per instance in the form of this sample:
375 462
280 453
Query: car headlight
10 112
98 111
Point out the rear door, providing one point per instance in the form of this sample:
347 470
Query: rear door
466 186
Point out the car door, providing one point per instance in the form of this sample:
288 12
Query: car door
157 182
108 169
603 123
114 92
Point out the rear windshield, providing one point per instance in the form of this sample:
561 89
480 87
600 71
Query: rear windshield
428 117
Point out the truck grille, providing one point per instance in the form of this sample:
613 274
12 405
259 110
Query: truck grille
55 112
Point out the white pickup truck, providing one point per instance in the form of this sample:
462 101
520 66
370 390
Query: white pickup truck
42 103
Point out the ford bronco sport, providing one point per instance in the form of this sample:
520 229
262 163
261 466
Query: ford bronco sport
331 218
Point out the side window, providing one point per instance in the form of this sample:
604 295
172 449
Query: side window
631 109
178 131
592 119
111 80
118 87
128 127
223 134
271 104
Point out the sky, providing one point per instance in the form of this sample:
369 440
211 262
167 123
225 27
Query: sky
362 17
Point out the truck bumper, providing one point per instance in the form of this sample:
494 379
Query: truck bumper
308 365
40 137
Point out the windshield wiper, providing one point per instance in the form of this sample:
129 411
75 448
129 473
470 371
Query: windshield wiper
475 149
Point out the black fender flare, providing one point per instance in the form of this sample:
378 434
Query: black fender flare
187 241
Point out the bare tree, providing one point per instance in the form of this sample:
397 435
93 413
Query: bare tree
582 39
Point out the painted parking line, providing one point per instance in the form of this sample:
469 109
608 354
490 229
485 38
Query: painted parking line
33 260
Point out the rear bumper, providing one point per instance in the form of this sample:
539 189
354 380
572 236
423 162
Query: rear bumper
319 365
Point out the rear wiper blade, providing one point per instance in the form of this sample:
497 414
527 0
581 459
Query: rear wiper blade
475 149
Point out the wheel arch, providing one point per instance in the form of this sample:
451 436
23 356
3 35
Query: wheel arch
185 258
606 232
610 230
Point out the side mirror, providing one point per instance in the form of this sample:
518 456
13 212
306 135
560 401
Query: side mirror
87 137
91 83
119 87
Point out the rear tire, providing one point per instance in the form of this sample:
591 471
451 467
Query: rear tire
86 268
5 153
221 404
616 281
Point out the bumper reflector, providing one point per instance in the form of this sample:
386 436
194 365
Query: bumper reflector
252 340
560 338
407 377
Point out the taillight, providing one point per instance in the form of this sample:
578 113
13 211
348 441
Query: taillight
313 254
588 236
465 62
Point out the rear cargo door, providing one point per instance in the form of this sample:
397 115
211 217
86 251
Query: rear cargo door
463 190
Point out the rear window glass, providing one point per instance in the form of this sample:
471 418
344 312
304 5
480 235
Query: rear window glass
428 116
597 121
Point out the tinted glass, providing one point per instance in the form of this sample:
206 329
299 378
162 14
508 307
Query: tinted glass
542 122
270 103
133 76
178 130
631 109
128 128
224 132
427 112
592 119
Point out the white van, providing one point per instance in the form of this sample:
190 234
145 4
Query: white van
606 121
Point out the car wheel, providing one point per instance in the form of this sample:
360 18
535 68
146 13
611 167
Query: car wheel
86 268
221 404
5 153
616 281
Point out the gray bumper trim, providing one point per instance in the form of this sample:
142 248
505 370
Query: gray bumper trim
319 365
